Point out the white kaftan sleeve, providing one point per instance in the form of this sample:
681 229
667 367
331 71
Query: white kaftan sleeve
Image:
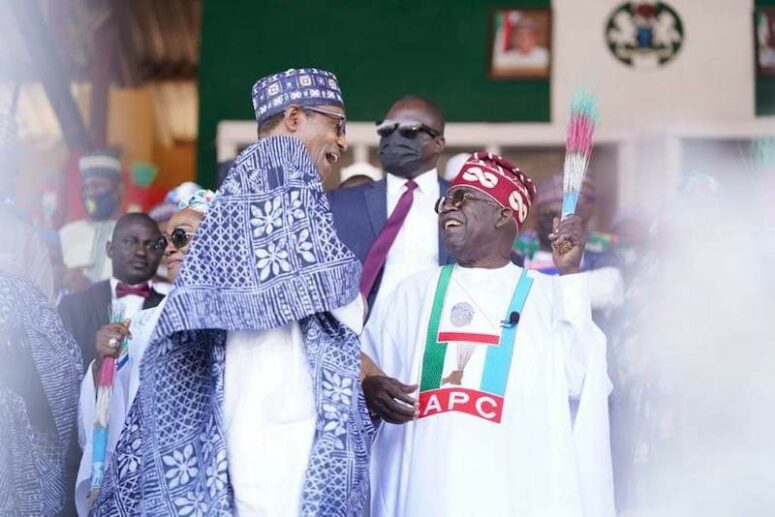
351 314
578 334
385 338
585 365
606 288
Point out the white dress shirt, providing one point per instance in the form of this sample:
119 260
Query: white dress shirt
416 247
131 302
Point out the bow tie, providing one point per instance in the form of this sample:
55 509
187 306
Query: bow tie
143 290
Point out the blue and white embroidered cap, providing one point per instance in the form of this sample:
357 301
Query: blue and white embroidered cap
302 87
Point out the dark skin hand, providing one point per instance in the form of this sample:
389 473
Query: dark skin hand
105 348
388 398
380 392
568 237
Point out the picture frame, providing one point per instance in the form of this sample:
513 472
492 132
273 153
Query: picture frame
764 41
519 44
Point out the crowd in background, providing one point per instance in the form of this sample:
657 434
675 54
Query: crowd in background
86 265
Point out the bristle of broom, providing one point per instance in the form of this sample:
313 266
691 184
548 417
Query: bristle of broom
578 147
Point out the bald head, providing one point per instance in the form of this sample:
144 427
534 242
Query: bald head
131 219
413 140
421 109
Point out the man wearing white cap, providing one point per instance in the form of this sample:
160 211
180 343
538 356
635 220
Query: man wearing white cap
84 241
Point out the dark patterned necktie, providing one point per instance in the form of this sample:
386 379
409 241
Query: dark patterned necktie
377 255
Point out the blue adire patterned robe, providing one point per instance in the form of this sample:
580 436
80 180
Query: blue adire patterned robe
265 255
39 384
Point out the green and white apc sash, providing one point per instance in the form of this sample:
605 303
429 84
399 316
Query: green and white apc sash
487 401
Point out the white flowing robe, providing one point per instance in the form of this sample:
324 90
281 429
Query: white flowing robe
455 460
269 415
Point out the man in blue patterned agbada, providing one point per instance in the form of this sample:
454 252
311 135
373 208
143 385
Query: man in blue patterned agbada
249 399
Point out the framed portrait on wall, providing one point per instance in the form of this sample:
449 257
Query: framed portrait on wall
520 45
764 39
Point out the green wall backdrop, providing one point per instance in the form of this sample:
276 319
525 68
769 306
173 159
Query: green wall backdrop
765 86
379 51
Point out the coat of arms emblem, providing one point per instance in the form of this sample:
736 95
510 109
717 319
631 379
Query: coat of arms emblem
644 34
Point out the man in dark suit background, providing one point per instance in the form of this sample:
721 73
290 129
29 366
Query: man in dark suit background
135 250
391 225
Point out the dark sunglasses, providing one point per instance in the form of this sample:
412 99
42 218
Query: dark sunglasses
407 129
341 119
459 196
179 238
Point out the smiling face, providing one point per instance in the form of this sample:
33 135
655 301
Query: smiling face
187 221
319 134
474 226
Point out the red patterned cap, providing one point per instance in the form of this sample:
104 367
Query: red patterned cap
495 176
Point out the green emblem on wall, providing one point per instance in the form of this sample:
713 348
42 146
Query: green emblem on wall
644 34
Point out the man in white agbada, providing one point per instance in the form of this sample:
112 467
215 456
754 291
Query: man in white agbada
496 352
84 240
182 225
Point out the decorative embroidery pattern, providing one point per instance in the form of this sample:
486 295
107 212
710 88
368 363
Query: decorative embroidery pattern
32 460
246 272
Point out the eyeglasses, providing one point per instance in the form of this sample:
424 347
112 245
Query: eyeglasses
407 129
459 196
149 246
341 119
179 238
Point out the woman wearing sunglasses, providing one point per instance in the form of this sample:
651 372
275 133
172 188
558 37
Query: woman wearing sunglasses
181 228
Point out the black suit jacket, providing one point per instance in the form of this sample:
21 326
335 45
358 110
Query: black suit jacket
84 313
359 215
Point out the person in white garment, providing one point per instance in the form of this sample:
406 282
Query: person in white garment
138 330
162 213
250 401
493 353
83 241
520 47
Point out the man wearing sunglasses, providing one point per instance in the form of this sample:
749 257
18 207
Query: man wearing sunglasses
390 224
135 250
491 353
